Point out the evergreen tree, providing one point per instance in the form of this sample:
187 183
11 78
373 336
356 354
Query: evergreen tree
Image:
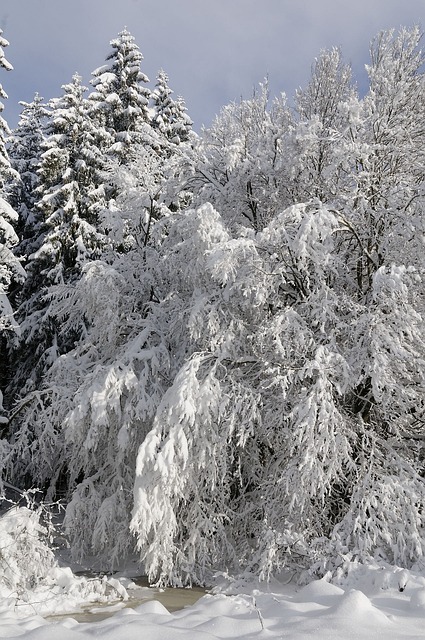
4 129
11 271
170 117
120 100
69 197
25 149
68 204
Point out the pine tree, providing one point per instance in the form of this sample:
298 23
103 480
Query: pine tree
68 204
4 129
25 148
68 186
120 100
170 116
11 271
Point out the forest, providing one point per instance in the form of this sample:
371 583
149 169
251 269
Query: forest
212 344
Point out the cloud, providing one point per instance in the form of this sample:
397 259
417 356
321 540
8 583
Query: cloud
213 52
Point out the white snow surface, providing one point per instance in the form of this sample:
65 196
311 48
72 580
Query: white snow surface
373 602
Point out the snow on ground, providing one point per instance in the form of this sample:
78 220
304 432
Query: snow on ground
368 604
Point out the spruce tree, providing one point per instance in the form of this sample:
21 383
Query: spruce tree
170 117
120 100
25 148
11 271
69 197
68 205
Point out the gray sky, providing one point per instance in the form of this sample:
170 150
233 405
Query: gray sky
214 51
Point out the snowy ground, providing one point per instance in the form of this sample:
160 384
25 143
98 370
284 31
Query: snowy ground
368 605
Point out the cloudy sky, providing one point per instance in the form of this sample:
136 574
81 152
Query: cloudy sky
214 51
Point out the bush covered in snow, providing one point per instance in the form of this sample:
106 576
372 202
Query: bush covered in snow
30 576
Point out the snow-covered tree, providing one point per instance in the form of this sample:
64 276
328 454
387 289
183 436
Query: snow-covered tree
238 165
97 401
11 271
113 378
49 434
69 197
69 201
170 116
262 444
229 438
297 415
4 129
25 149
120 99
393 169
316 165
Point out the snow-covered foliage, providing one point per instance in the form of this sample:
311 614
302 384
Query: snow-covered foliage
298 413
238 165
26 555
120 100
68 195
11 270
271 399
170 116
25 148
4 129
235 377
66 236
113 378
31 578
